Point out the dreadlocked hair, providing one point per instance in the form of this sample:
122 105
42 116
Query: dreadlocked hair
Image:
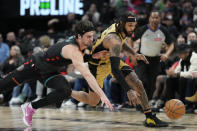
120 22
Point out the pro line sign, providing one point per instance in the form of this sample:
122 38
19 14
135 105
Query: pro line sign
50 7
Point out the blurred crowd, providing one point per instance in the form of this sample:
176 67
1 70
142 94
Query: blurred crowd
178 16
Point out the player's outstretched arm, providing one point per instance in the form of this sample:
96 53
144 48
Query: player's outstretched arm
78 62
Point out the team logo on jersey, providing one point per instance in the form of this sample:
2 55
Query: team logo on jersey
158 39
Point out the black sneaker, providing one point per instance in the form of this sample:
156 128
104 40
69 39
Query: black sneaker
153 121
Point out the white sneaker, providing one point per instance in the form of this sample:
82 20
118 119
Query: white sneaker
15 101
159 104
195 111
1 98
37 98
69 103
152 103
81 104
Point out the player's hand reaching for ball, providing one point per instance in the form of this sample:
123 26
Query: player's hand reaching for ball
141 57
106 101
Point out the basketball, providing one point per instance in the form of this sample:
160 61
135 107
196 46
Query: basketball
174 109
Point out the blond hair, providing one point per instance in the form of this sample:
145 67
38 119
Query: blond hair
45 41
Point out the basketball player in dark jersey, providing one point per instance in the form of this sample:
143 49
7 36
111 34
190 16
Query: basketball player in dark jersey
105 60
44 67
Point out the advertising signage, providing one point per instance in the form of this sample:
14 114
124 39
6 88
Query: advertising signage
50 7
32 8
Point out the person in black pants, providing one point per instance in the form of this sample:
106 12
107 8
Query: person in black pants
193 98
152 37
44 67
180 78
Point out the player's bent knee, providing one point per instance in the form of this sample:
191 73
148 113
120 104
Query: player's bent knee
65 92
94 101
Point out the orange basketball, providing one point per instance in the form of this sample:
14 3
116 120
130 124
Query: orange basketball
174 109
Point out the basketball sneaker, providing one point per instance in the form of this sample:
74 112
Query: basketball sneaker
153 121
28 112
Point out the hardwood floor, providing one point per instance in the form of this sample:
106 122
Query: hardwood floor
69 119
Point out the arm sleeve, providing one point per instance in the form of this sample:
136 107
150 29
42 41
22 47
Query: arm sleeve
115 63
86 57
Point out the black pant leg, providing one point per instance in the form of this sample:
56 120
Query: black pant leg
182 88
22 74
153 70
171 87
62 90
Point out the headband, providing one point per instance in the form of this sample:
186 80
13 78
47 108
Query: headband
131 19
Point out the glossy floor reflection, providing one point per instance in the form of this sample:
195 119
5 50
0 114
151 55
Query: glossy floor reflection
69 119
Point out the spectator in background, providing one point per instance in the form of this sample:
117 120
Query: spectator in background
168 21
142 17
28 43
194 74
52 25
181 39
195 14
160 4
179 77
4 50
173 6
11 64
190 37
187 9
93 13
52 29
107 13
188 29
45 42
69 24
13 61
11 39
21 34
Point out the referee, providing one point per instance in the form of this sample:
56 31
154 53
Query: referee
152 37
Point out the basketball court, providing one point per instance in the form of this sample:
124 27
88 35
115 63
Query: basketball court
89 119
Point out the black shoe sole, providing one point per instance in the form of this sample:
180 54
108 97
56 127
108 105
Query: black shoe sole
156 126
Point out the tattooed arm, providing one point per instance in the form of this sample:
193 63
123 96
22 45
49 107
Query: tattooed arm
113 42
128 49
131 53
